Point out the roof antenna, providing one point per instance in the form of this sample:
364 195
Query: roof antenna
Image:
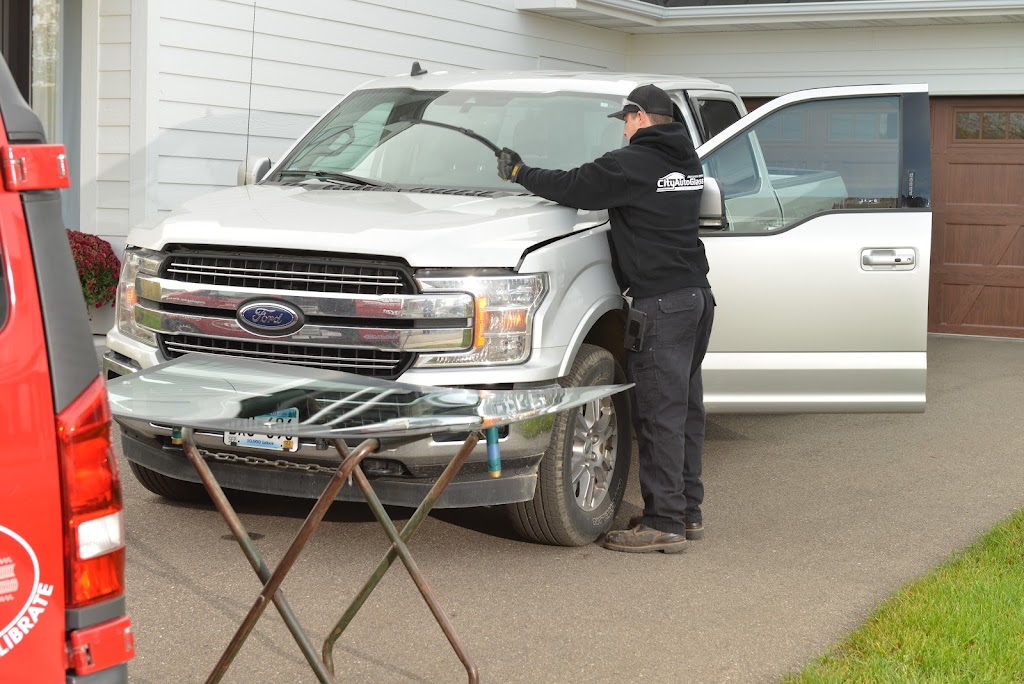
417 70
252 58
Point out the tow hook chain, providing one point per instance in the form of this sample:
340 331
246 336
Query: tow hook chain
266 462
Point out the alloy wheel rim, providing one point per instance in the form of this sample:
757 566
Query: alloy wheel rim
594 447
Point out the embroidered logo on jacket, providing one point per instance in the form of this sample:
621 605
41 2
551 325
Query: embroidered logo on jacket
675 182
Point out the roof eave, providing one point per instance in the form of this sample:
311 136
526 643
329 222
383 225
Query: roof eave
643 14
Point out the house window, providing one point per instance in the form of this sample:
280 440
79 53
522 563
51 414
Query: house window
1006 125
46 64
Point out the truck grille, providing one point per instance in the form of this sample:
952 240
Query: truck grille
211 269
378 364
294 273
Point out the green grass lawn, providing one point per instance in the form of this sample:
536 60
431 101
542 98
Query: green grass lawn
963 622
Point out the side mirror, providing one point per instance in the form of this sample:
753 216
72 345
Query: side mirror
712 206
252 170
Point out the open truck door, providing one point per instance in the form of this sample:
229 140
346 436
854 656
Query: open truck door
820 270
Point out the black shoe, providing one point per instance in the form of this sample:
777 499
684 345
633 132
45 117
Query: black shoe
643 539
694 530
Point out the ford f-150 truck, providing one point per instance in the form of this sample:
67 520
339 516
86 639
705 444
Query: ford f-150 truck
383 243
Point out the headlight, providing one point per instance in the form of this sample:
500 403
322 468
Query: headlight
505 306
134 262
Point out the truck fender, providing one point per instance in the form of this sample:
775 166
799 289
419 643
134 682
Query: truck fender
582 290
604 305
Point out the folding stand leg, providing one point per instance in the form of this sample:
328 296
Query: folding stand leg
272 583
399 548
249 549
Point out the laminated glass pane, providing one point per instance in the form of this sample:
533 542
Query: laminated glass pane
256 397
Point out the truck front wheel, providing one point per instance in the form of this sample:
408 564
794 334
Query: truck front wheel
582 477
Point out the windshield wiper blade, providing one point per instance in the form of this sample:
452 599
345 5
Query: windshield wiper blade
465 131
331 176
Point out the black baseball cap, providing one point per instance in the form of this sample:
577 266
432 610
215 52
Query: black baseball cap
646 98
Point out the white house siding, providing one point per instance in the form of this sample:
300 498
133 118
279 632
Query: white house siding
303 57
964 59
106 76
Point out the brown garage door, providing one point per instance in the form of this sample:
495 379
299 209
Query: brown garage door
977 282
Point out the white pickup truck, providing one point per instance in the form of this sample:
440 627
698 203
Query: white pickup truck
383 243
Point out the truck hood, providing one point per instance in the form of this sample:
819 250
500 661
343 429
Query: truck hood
425 230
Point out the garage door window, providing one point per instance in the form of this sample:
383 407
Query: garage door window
1006 125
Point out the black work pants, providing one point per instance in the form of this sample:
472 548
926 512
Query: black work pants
668 405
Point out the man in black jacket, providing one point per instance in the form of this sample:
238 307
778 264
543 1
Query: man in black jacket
652 189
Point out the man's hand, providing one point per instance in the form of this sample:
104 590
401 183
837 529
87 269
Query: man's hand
509 164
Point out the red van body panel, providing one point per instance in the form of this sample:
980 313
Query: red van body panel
31 522
60 497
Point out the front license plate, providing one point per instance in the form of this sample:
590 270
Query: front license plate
279 441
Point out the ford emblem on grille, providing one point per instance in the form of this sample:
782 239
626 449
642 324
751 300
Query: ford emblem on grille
269 317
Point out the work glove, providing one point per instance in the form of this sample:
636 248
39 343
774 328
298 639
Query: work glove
509 164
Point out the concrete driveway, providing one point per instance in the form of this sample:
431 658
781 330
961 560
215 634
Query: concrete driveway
811 521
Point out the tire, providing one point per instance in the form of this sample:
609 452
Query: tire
168 487
563 512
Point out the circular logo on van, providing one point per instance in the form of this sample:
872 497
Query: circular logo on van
266 317
19 578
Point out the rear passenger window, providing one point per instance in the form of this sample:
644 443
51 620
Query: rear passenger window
717 115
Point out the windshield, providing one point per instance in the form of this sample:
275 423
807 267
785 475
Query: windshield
370 136
245 395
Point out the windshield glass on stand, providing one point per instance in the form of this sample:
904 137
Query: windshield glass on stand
232 394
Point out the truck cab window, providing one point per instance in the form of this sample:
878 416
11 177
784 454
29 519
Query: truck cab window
811 158
717 115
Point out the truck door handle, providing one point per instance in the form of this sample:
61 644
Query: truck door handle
888 259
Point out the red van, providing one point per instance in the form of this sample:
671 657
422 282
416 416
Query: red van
62 606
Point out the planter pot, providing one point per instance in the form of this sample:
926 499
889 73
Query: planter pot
101 320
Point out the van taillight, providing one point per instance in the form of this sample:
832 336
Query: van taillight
94 525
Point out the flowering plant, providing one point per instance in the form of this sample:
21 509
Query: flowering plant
98 268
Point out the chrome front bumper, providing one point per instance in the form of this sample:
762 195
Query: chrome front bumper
525 442
473 487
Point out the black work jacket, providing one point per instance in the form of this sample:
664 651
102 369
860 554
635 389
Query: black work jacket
651 189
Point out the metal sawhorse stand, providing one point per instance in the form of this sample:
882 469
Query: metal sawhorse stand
323 665
226 394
